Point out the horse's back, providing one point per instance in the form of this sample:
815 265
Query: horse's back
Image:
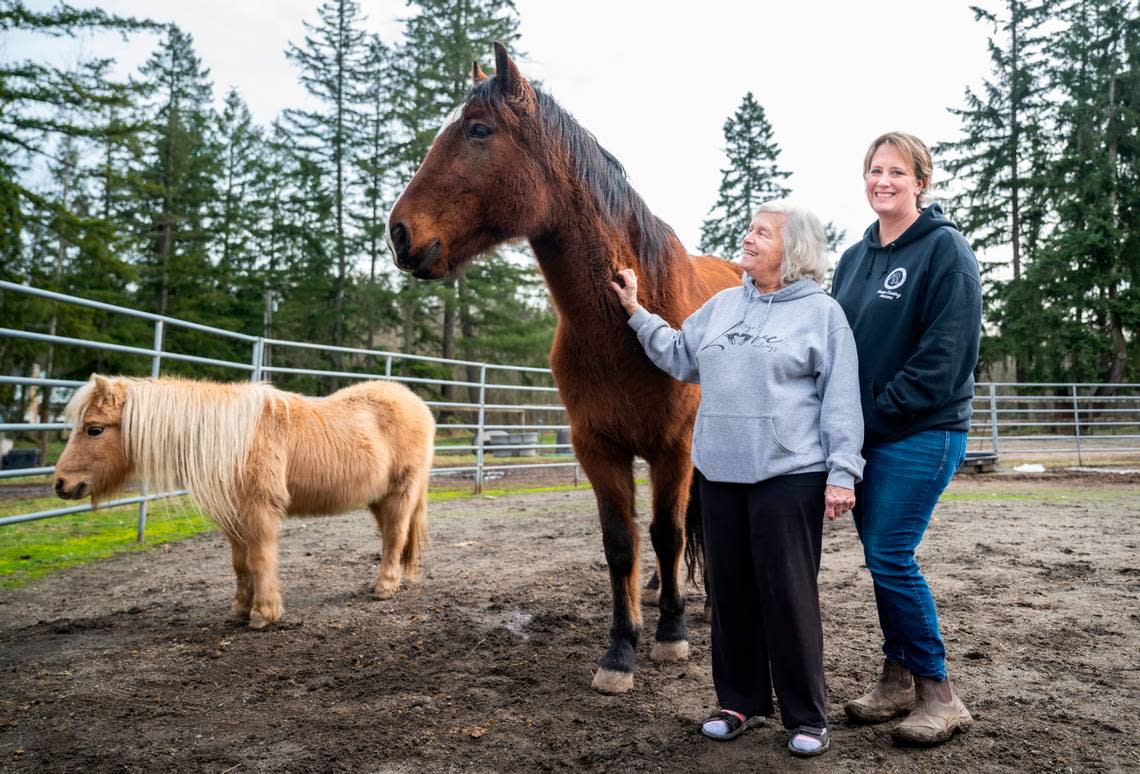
350 448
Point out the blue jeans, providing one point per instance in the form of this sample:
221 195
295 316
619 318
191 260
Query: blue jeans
902 481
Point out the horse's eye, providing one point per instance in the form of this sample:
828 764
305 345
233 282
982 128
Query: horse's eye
94 431
478 131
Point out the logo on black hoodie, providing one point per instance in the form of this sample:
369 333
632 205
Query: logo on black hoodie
892 283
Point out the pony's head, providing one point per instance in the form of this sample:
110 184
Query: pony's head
94 462
483 181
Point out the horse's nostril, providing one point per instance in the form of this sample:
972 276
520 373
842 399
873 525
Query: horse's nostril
401 241
60 486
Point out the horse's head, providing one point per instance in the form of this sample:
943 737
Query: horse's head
94 461
483 181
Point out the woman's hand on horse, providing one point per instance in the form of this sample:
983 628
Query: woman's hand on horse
837 501
626 289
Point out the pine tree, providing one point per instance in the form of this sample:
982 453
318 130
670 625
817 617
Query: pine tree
1090 266
173 186
376 173
1000 164
753 176
332 61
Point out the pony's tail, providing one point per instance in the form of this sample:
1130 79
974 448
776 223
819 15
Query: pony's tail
418 539
695 535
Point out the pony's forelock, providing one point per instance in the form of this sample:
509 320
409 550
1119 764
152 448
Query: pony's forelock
76 407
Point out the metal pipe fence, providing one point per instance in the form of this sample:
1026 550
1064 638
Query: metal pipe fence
1025 418
514 396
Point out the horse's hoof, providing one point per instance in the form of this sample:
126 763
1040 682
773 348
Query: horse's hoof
670 651
651 598
259 621
609 682
385 592
237 616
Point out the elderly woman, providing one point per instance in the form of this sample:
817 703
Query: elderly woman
912 292
776 447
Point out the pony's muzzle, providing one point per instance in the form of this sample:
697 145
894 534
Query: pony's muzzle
418 263
76 492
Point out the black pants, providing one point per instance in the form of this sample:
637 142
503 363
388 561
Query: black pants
762 544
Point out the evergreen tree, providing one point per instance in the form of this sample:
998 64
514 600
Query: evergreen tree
376 299
174 190
39 102
332 60
752 177
240 215
1089 268
1000 163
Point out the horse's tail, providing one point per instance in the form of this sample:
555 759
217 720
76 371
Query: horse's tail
694 533
418 538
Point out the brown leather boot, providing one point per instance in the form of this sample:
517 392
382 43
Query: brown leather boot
892 696
937 714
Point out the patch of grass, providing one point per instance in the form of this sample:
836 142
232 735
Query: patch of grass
34 549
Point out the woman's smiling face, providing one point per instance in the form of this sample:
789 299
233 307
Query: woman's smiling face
892 188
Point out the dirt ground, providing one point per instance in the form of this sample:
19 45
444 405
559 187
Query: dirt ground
485 664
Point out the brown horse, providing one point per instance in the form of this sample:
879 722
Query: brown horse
514 164
250 454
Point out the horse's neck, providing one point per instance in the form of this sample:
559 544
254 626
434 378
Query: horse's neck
579 259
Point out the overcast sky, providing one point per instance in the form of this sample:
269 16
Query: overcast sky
654 84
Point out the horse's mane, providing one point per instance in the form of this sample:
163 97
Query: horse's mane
596 168
184 433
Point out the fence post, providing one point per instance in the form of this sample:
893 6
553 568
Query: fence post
480 434
155 369
1077 425
388 367
258 359
993 417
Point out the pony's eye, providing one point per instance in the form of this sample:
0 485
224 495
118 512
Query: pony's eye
94 431
478 131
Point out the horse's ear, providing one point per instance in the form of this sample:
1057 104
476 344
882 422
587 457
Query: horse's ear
101 385
509 79
477 74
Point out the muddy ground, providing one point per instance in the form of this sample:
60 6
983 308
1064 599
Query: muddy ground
485 664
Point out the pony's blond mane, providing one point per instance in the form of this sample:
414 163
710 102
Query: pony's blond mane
184 433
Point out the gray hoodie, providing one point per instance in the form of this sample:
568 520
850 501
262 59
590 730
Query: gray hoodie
779 382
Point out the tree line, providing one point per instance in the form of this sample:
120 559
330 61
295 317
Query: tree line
140 192
1045 169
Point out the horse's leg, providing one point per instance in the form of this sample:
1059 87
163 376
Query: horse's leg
393 516
611 473
243 593
669 474
261 534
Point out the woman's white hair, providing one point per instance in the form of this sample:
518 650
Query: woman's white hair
805 242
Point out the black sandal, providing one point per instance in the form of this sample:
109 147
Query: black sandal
735 722
819 734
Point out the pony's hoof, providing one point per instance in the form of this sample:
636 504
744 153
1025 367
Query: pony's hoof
237 616
386 592
670 651
258 620
609 682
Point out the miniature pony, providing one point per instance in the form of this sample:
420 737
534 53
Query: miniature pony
250 454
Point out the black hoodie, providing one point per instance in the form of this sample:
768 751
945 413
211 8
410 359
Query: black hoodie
915 307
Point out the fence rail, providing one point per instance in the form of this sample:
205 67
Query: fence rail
1025 418
486 430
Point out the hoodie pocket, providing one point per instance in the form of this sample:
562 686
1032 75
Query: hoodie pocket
739 448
